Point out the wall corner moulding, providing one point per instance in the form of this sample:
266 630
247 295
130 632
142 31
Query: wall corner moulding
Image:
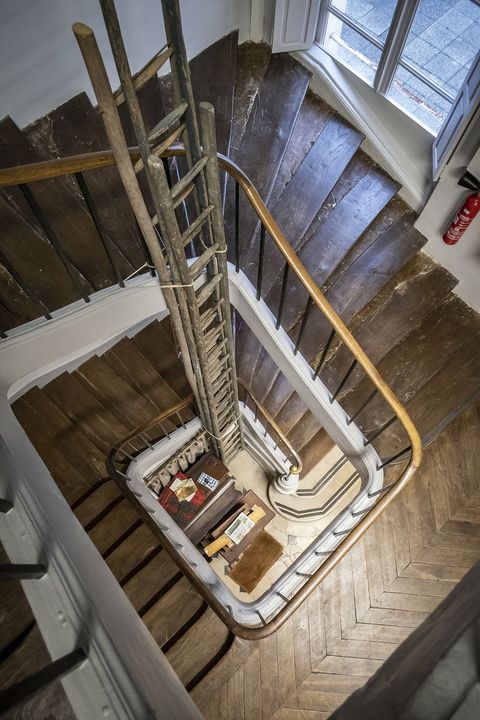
415 186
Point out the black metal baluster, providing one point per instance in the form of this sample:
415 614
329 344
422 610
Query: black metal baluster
342 384
146 251
52 238
282 296
324 353
261 252
34 298
237 226
380 430
18 693
98 225
394 457
362 406
303 324
21 571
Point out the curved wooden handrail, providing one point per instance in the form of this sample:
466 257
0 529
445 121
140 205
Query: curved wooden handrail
55 168
298 460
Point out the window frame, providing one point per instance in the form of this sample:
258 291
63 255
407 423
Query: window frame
391 50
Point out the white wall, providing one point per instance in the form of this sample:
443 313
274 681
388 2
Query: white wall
42 66
463 259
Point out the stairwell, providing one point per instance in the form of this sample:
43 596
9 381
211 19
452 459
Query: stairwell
355 236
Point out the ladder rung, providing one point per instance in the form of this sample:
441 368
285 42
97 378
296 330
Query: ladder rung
217 330
213 369
217 348
159 149
183 196
201 263
167 123
147 72
208 316
222 380
205 291
196 225
188 177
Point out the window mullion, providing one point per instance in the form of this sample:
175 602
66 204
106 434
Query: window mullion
394 44
322 22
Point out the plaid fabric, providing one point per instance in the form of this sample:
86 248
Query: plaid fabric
182 512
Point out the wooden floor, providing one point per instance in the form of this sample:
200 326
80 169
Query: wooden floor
394 577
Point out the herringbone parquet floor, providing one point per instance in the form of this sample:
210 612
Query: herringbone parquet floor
394 577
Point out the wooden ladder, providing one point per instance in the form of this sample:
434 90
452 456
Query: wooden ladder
196 292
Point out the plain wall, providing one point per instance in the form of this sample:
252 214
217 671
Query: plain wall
40 60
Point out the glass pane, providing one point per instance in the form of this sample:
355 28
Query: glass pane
421 102
443 41
358 54
374 15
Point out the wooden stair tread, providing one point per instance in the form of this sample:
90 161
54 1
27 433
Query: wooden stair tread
97 503
75 127
132 552
336 235
268 130
356 285
135 369
172 611
312 118
198 647
68 471
119 522
315 450
156 342
63 209
127 404
252 62
84 408
150 579
416 359
65 434
213 76
396 310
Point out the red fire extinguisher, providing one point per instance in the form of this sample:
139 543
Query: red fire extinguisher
462 220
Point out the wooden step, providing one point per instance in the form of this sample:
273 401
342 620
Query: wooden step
72 474
395 311
268 130
299 204
177 608
199 648
336 234
315 450
156 342
84 408
97 504
313 116
252 63
75 127
144 587
66 214
132 553
213 76
415 360
113 527
377 257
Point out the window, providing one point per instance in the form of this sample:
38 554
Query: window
415 52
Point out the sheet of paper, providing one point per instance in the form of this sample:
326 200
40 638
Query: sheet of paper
239 528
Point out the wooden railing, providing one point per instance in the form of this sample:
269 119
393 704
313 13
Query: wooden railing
292 269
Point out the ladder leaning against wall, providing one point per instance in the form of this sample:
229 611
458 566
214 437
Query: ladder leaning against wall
201 317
